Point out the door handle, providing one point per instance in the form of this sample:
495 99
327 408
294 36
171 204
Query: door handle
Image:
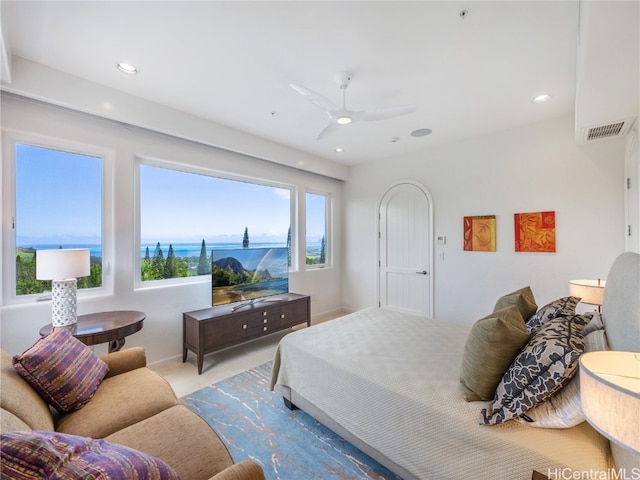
423 272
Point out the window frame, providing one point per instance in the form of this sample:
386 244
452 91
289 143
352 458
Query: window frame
139 160
328 205
11 139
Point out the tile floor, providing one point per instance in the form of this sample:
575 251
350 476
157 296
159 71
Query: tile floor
184 378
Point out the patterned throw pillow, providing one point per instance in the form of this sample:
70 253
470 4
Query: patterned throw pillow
63 370
523 299
545 365
39 454
562 306
563 410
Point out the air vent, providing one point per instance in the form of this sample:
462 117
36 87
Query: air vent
605 131
613 129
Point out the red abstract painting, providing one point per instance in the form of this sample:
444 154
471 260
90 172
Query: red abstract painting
535 231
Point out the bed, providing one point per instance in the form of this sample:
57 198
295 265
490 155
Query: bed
390 384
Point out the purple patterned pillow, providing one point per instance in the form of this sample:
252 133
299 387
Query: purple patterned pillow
63 370
52 455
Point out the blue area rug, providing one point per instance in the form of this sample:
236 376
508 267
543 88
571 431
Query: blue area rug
289 445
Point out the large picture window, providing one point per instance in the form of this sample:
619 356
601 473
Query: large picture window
316 251
184 216
58 197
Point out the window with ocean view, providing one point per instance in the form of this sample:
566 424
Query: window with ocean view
58 197
185 216
316 226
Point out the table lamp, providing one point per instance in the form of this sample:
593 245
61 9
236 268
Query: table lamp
589 291
62 266
610 401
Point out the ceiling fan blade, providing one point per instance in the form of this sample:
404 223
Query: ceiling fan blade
389 112
330 129
315 98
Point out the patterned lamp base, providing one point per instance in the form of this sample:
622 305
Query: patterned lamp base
63 302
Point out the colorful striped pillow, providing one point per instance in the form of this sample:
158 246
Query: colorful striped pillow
63 370
49 455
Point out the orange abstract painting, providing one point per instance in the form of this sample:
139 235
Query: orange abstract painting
480 233
535 232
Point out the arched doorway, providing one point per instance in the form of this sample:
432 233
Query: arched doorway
405 249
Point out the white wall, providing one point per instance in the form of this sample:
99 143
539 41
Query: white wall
162 332
526 169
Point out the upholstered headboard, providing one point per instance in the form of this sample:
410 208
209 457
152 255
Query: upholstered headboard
621 304
621 312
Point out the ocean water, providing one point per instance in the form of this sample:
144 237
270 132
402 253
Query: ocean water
179 249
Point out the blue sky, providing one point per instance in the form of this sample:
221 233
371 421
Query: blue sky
58 197
186 207
59 202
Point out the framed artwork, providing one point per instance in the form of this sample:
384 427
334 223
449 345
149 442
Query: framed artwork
480 233
535 231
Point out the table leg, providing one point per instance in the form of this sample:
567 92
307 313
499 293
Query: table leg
116 345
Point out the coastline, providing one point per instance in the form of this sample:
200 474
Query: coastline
184 250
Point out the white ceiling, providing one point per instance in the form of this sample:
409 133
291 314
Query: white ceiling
232 62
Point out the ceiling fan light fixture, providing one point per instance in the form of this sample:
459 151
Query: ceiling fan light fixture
344 120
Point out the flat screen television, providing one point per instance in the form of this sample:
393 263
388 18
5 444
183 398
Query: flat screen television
248 275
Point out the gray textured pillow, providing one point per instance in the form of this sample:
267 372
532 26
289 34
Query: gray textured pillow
562 306
492 344
594 323
545 365
523 299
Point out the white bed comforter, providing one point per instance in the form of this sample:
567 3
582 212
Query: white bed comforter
391 380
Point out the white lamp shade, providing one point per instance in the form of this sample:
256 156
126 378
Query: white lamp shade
610 395
61 264
589 291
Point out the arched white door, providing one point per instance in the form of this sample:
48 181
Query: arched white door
405 250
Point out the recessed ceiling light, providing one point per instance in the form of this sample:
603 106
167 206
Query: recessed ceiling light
127 68
541 98
339 149
421 132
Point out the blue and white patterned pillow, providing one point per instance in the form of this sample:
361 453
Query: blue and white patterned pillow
562 306
563 410
544 366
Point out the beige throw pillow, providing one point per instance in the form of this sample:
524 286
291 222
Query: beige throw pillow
492 344
522 298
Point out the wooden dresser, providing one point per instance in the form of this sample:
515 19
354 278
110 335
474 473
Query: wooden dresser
210 329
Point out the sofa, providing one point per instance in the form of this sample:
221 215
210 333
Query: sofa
133 407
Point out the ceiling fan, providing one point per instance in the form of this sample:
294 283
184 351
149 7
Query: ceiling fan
342 116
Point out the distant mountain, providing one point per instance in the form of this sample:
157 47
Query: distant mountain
264 273
231 264
229 271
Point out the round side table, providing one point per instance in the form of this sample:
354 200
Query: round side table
103 327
